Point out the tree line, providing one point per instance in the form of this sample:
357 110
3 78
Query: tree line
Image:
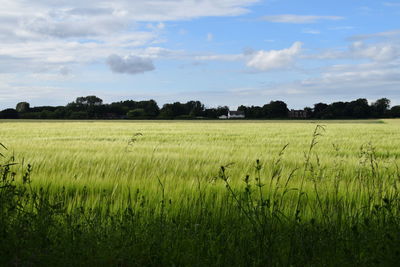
92 107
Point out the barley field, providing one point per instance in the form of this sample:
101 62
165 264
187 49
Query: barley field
200 193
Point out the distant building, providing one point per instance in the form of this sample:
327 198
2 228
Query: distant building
298 114
236 115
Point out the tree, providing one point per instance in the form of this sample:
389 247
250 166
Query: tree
359 108
256 112
253 112
222 110
210 113
90 100
337 109
395 112
151 108
276 109
173 110
167 111
319 109
22 107
194 108
381 107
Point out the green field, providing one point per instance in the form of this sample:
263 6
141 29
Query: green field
154 193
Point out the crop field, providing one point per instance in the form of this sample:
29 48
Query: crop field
200 193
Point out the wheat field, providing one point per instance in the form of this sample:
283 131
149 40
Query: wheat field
270 185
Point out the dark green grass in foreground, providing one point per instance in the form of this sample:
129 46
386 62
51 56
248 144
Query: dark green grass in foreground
319 220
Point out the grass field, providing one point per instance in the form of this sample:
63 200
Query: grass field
154 193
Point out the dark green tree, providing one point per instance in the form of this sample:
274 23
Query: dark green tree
276 109
90 100
22 107
381 107
319 110
395 112
358 109
194 108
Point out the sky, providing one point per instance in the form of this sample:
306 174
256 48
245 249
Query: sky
221 52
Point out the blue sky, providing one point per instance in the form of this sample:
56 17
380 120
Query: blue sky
221 52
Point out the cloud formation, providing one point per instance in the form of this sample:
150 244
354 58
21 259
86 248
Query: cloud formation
49 34
298 19
48 44
274 59
261 60
130 64
384 52
378 35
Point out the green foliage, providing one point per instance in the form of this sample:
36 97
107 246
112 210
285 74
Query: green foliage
79 115
136 113
395 112
22 107
95 109
276 109
89 101
381 107
199 194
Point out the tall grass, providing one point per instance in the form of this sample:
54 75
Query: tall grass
272 213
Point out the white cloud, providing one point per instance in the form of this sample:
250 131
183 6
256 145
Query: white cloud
210 37
298 19
130 64
387 34
274 59
339 82
46 34
375 52
361 80
148 11
260 60
70 26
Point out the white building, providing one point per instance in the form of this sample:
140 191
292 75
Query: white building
236 115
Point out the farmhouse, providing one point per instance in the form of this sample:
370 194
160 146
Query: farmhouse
236 115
